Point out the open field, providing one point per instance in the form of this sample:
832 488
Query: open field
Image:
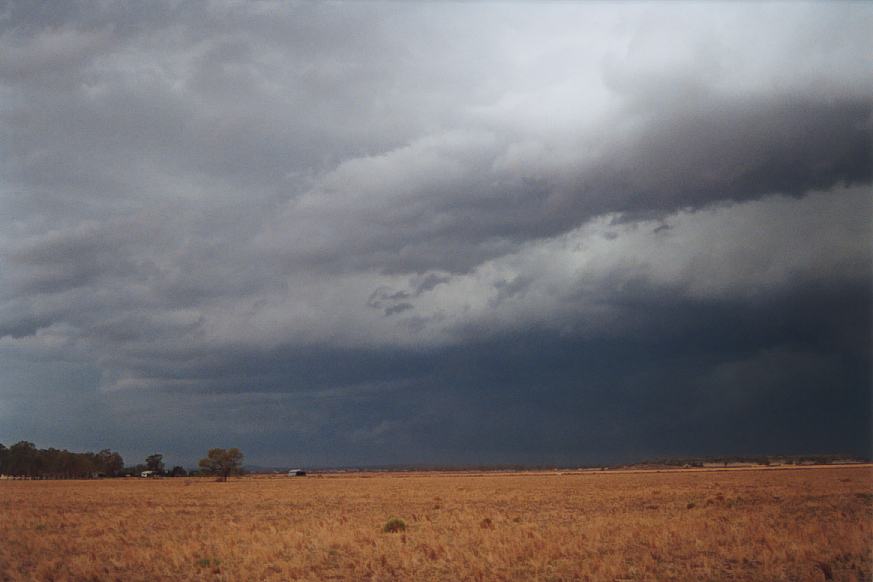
764 524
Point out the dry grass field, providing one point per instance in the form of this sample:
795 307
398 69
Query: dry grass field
767 524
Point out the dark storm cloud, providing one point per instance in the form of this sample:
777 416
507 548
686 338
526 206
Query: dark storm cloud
721 379
365 221
717 149
468 208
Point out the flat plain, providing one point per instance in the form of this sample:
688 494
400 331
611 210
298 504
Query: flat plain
756 524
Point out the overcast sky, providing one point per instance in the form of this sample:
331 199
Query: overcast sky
355 233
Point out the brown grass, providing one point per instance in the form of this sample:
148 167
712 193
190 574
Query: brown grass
800 524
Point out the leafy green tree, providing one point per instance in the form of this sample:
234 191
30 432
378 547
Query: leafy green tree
222 462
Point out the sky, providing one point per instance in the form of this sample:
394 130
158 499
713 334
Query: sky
436 233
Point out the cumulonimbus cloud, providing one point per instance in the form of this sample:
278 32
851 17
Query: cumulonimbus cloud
193 186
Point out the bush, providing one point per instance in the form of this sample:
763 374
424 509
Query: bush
394 525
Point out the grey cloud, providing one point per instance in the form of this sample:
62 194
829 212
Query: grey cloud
715 149
389 300
704 153
506 289
18 325
398 308
430 282
689 390
233 204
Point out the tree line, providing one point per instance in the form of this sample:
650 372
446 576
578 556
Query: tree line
25 460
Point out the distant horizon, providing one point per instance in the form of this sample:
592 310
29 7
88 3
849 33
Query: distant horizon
429 466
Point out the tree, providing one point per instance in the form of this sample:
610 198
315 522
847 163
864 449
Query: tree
178 471
23 459
110 462
155 463
222 462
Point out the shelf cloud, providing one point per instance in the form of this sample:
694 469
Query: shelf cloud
385 233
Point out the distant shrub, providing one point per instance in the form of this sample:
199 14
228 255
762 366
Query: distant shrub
691 505
486 523
394 525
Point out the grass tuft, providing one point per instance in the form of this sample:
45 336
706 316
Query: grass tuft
394 525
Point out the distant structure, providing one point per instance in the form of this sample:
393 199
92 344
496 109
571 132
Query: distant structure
297 473
149 475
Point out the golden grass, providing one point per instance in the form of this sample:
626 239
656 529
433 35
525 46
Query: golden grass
799 524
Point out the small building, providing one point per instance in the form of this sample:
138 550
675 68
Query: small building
297 473
149 475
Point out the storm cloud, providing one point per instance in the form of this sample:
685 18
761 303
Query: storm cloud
378 233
